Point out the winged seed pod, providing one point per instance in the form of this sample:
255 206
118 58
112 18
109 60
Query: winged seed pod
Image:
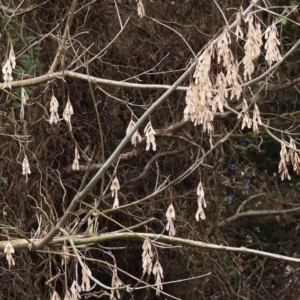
9 250
69 297
170 214
68 112
294 156
75 290
208 122
136 137
201 203
115 187
12 57
252 45
7 68
199 95
246 118
271 46
238 31
284 158
159 275
75 165
291 151
235 80
54 117
232 77
296 163
220 99
140 8
147 256
55 296
256 118
25 167
150 137
7 71
223 49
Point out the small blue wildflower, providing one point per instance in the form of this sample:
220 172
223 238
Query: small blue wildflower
232 166
244 142
246 190
248 175
229 198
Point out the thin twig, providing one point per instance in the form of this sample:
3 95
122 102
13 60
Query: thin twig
119 17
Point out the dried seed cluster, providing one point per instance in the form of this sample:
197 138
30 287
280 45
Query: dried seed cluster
201 203
8 67
157 270
55 296
150 137
67 114
136 137
54 117
140 8
147 256
287 156
115 187
25 167
75 165
271 46
159 275
252 46
9 250
205 96
170 214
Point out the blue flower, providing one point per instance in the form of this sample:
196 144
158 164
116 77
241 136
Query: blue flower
232 166
246 190
229 198
244 142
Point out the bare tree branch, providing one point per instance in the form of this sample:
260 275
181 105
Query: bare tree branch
19 244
